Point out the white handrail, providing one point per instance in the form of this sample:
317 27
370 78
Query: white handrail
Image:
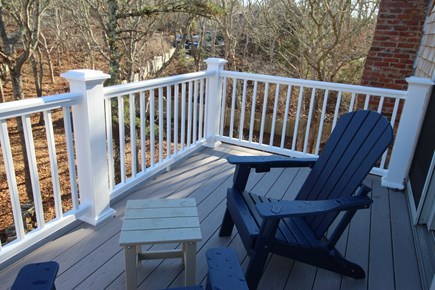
314 84
156 117
36 105
304 132
110 92
23 109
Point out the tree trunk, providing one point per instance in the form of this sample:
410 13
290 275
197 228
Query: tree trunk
59 43
17 85
4 70
49 60
27 178
112 33
116 149
2 94
38 73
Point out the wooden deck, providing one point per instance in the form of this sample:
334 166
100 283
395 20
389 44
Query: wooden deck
379 239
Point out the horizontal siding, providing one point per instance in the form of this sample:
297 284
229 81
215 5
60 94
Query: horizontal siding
425 64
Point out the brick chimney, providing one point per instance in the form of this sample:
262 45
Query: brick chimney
399 29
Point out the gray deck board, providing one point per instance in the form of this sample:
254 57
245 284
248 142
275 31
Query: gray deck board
379 239
403 244
357 248
154 190
381 271
276 267
301 277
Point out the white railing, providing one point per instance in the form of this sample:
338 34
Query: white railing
304 112
121 135
26 113
151 124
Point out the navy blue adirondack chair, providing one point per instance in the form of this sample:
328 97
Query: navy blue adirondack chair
298 229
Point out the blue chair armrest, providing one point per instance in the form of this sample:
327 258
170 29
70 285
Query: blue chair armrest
285 208
224 271
40 276
194 287
264 163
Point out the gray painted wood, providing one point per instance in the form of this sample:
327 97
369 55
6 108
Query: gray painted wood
357 248
301 277
381 272
403 245
276 267
91 258
328 280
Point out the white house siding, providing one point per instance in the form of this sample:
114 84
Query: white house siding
425 62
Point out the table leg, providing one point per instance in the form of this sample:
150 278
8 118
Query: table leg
183 249
130 267
189 254
138 261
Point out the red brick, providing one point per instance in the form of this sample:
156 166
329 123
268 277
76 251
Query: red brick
376 58
394 47
381 38
401 55
401 27
398 65
385 27
407 45
392 33
395 10
413 21
405 16
385 54
391 59
389 101
387 16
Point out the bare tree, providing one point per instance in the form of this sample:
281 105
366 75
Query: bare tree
47 52
325 40
124 24
3 72
20 27
315 39
230 23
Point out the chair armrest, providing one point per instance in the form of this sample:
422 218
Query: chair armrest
224 270
37 276
264 163
286 208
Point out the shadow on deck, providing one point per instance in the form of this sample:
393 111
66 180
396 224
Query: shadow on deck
378 239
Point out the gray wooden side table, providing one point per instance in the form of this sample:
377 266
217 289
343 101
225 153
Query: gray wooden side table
158 221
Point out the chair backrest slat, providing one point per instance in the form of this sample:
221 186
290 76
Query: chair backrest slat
356 144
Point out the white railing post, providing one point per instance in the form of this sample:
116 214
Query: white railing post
414 109
90 141
214 97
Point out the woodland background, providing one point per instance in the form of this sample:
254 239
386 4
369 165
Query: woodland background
326 40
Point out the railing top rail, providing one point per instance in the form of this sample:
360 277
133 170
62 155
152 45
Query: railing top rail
135 87
317 84
35 105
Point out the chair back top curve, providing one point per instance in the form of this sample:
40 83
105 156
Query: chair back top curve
357 142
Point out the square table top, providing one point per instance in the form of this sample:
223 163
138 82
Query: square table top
153 221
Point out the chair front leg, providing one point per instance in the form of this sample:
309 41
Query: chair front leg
227 224
241 175
258 258
240 180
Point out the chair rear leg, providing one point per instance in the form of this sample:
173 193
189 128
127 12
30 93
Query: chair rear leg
227 224
346 267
